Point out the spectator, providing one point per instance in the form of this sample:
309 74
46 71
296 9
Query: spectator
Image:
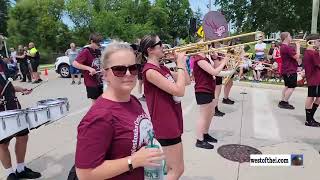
277 57
271 50
260 47
34 57
72 53
23 63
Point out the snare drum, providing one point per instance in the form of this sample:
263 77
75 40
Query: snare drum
12 122
37 116
58 108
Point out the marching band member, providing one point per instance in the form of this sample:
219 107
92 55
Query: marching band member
112 135
205 84
21 137
311 62
290 57
162 90
88 60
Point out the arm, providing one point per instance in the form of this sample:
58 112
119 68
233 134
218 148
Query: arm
79 63
209 68
22 56
187 76
175 89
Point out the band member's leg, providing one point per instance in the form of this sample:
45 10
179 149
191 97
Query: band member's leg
312 103
288 94
284 93
174 160
205 117
217 93
227 89
21 148
5 157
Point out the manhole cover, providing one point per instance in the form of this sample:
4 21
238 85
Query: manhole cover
237 152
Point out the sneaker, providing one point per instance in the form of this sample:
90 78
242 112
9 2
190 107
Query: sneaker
312 123
73 82
285 105
204 144
208 138
40 80
219 113
79 82
23 80
12 176
28 174
227 101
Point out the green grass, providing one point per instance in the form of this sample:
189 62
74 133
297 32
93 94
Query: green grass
43 66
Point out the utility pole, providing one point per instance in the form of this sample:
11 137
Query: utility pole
315 13
209 5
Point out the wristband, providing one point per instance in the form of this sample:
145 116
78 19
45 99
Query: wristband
130 165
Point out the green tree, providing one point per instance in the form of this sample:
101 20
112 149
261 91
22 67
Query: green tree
268 16
4 8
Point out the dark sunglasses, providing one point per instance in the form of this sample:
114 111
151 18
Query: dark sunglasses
156 44
121 71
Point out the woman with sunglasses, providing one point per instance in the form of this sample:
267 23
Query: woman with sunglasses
112 135
163 90
205 84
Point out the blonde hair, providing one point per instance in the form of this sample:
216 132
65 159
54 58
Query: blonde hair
284 35
113 47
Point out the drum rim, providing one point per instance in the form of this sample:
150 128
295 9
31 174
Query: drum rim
39 109
19 112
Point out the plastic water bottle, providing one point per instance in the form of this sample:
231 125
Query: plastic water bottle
154 172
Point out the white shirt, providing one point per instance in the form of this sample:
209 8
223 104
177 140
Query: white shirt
260 46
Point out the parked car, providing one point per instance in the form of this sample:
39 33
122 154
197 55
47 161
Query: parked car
62 64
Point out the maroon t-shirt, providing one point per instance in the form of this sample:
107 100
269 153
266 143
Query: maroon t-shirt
289 64
204 82
165 112
311 63
112 130
91 58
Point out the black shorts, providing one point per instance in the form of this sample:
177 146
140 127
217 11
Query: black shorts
94 92
204 98
170 142
290 80
218 80
34 65
19 134
314 91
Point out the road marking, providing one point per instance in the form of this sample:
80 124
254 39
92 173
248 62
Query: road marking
264 124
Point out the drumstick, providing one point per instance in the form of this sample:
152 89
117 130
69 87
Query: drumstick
5 87
35 87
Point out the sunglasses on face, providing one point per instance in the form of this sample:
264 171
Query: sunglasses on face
158 43
120 71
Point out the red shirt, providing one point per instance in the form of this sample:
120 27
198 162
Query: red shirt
112 130
165 112
91 58
289 64
311 63
204 82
